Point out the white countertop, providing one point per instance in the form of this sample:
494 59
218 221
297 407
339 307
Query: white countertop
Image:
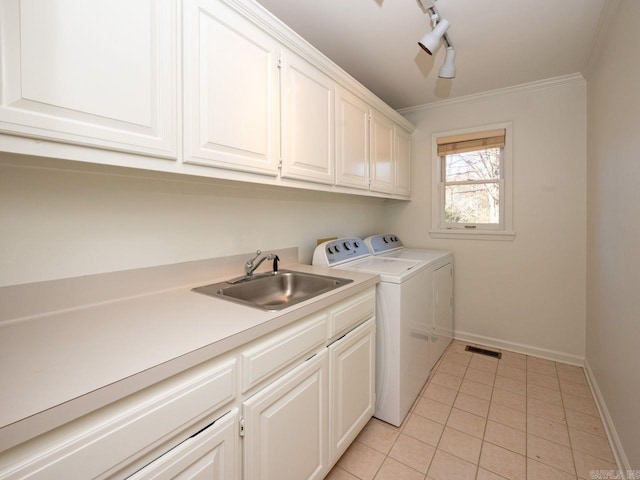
58 365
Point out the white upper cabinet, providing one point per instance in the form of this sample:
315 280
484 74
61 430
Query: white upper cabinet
231 90
381 164
402 161
100 73
352 140
372 151
307 122
220 84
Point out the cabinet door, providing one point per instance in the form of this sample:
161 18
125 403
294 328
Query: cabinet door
286 425
382 168
402 161
307 122
100 73
352 385
231 85
442 311
212 454
352 140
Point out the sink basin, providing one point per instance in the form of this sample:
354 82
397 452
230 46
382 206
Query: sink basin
274 291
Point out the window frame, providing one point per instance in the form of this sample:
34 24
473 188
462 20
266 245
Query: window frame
480 231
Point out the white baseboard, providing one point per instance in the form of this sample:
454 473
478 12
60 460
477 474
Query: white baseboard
520 348
612 434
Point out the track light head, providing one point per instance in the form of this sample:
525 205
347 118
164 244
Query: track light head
448 69
431 40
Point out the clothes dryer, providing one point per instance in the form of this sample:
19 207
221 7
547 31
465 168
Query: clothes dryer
440 262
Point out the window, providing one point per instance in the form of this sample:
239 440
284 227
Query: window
472 184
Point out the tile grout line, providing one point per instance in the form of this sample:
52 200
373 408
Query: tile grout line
450 410
466 370
412 412
486 424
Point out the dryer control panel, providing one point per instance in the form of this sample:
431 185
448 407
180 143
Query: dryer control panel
335 252
383 243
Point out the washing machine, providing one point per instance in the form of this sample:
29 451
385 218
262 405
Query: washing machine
403 322
440 263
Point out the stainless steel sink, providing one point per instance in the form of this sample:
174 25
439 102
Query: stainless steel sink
274 291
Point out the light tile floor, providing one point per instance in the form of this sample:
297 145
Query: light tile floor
481 418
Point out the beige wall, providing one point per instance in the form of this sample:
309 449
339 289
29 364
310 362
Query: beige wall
528 293
613 305
58 224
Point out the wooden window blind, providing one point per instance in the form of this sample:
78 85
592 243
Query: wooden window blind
471 141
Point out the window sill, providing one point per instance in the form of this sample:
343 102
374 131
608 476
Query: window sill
500 235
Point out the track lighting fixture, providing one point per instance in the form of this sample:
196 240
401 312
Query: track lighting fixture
448 69
430 42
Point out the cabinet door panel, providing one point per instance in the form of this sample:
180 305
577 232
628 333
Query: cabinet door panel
100 73
231 83
352 366
402 161
352 140
382 170
308 122
212 454
286 425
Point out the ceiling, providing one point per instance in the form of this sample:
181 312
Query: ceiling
499 43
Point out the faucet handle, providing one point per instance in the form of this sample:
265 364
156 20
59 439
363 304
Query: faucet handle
250 261
249 265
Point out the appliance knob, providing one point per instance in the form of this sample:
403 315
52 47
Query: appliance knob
385 239
346 245
329 250
336 249
356 244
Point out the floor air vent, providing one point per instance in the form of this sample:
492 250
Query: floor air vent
482 351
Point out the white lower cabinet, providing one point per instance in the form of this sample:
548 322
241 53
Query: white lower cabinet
211 454
304 393
286 425
300 424
124 436
352 389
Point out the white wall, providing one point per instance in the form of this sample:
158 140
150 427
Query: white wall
528 293
613 305
58 223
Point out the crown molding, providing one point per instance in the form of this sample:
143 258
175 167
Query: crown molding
524 87
291 40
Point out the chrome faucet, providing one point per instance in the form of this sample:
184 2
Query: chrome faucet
250 267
